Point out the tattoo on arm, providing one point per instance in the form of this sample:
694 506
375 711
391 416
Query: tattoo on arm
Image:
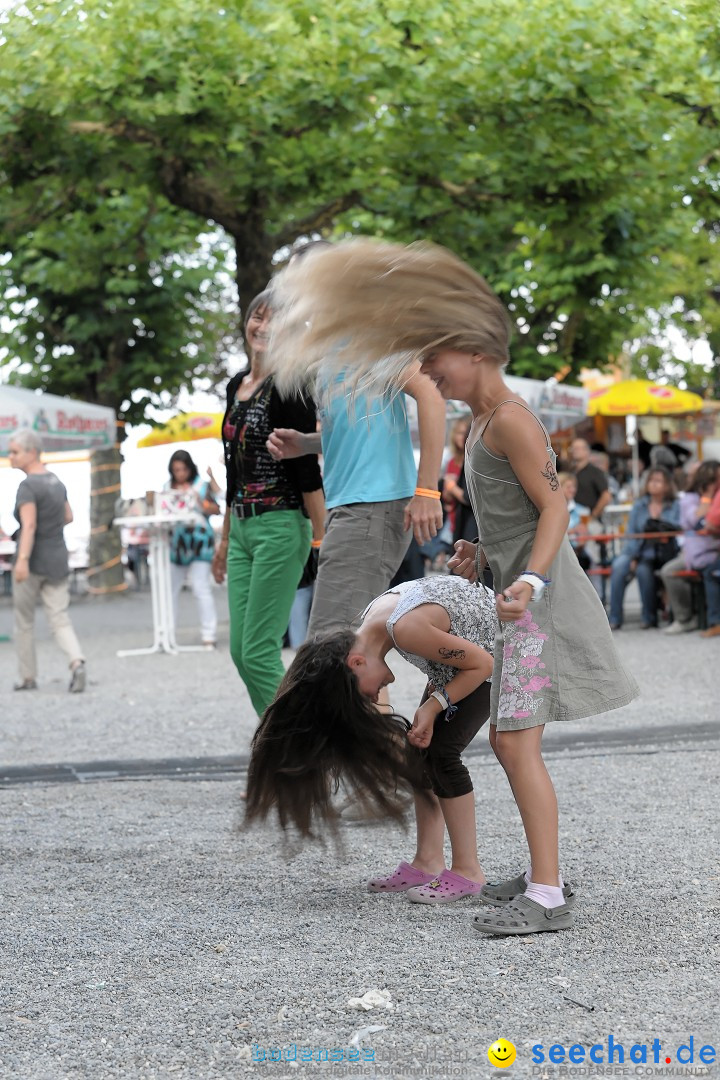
452 654
551 476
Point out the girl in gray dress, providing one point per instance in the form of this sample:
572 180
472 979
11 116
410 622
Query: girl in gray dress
375 307
323 726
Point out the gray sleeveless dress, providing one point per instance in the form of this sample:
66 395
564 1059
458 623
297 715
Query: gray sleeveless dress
558 662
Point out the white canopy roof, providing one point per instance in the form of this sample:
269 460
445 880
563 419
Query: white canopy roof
61 423
557 404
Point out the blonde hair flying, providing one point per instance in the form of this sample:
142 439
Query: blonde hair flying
371 310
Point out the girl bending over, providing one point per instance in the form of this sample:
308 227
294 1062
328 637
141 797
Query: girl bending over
323 725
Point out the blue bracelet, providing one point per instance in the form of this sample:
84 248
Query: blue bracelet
451 709
534 573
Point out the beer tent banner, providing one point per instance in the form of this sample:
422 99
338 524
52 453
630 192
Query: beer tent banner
61 423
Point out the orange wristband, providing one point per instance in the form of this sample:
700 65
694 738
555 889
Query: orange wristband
315 543
427 493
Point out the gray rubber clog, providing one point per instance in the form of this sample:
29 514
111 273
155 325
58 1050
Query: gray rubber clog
523 916
502 892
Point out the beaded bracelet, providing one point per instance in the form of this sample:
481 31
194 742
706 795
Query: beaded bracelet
441 696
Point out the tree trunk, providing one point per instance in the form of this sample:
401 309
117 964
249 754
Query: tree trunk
105 575
253 255
713 339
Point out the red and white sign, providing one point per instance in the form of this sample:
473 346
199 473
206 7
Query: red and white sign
61 423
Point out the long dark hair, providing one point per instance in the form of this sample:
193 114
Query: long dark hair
321 729
184 457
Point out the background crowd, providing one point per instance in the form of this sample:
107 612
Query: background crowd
667 540
327 506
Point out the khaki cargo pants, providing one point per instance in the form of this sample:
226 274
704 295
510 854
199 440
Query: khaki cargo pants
55 597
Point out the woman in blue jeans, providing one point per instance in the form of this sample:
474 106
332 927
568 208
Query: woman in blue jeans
644 557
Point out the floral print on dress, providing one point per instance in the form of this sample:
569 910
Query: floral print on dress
523 669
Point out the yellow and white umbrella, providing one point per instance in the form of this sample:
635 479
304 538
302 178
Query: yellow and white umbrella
185 427
639 397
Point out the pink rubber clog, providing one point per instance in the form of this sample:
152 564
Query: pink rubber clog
443 889
404 878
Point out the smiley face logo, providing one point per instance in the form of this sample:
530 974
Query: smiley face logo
501 1053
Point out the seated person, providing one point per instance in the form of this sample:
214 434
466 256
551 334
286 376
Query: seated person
711 573
699 549
658 509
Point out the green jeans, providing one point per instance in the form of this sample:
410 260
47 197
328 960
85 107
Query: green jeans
266 558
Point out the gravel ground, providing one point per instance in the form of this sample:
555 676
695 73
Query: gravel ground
138 706
147 936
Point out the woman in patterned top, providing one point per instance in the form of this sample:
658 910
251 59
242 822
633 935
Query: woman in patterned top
192 544
323 725
266 533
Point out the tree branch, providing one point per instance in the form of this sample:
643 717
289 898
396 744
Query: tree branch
705 113
122 129
457 191
317 219
182 187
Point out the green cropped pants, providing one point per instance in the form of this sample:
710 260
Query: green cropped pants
266 558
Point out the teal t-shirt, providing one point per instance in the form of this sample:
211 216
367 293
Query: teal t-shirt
367 449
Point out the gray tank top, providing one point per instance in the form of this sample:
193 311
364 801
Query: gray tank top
502 508
471 609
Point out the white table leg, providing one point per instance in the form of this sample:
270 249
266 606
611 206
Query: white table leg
161 597
168 606
162 600
166 613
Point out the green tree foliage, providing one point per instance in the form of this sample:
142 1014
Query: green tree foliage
567 148
575 142
113 300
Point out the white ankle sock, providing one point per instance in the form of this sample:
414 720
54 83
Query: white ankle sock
548 896
528 878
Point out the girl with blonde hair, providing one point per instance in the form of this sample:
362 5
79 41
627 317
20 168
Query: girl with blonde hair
374 309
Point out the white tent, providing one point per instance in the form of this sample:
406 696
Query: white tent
558 405
61 423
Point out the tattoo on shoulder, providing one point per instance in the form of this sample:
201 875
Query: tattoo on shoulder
551 476
452 654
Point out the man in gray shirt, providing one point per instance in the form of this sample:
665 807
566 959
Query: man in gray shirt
41 562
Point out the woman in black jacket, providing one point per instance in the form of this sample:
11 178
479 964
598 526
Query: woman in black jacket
266 534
